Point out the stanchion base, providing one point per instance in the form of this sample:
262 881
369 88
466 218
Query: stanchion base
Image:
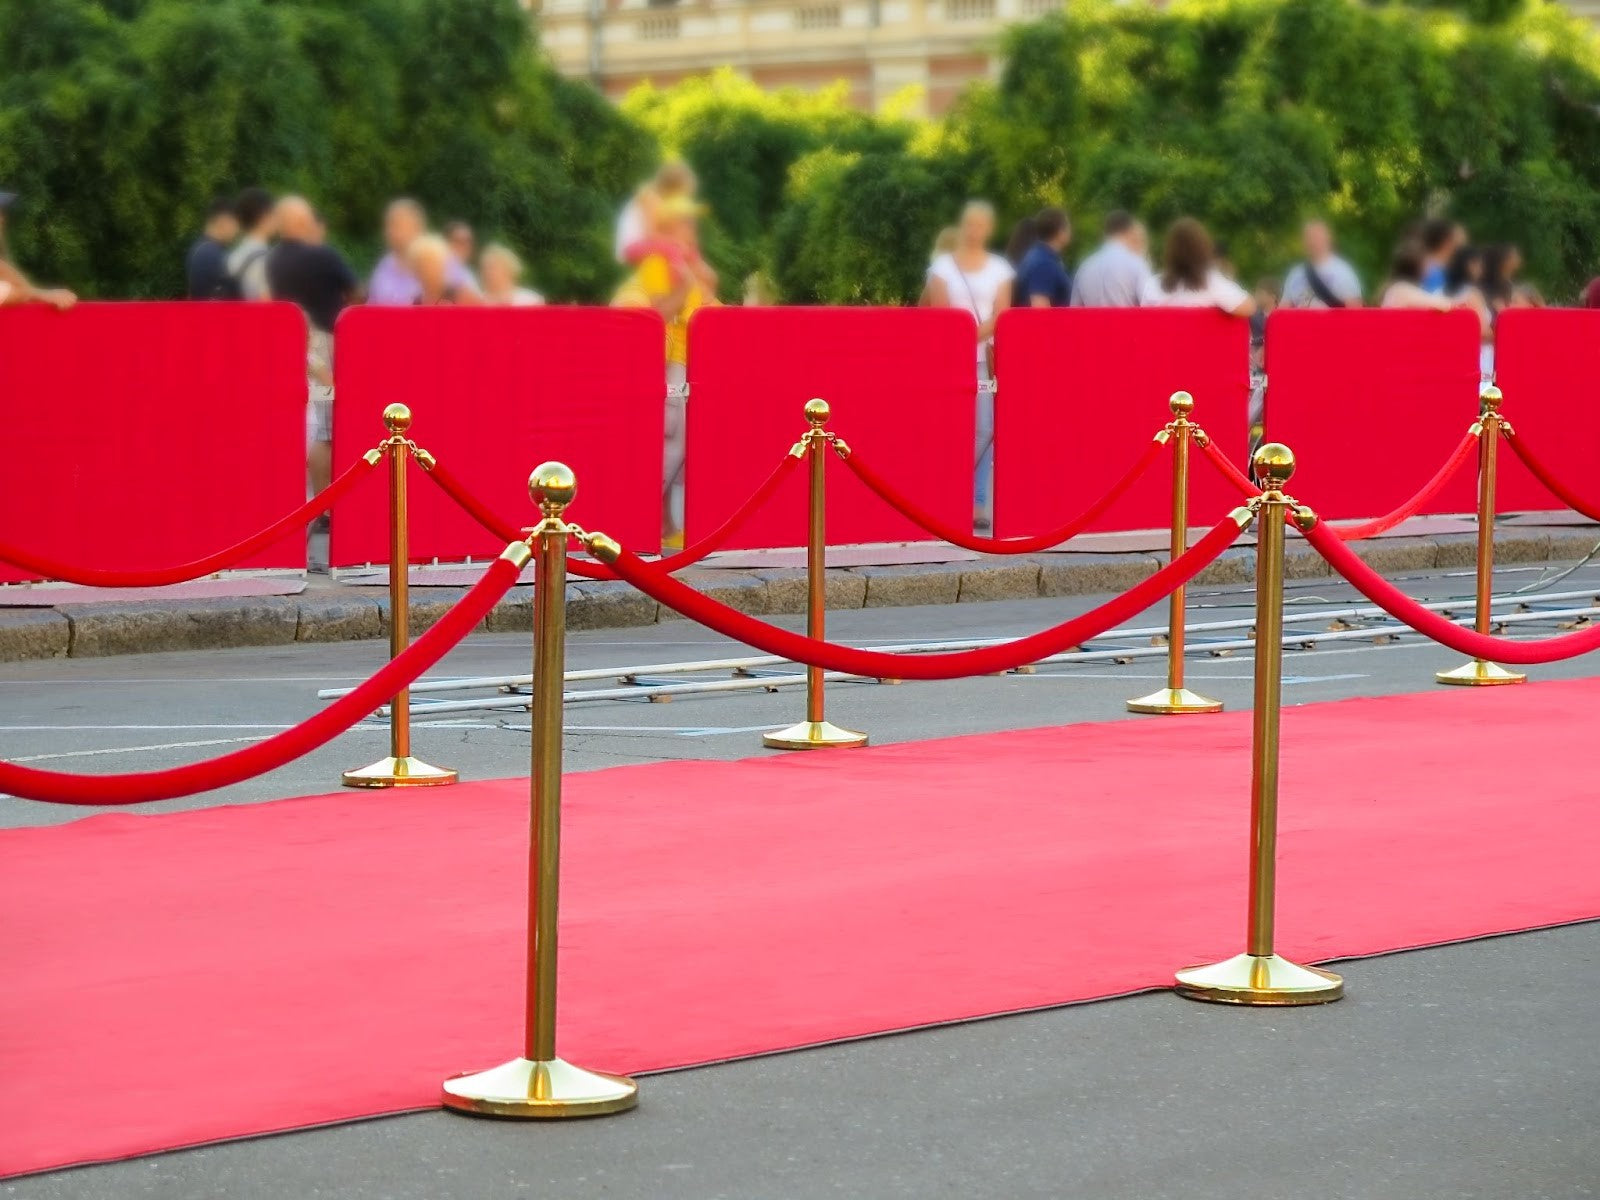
813 735
1174 700
538 1091
1259 979
1478 673
399 772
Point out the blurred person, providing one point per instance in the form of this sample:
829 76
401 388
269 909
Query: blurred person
1024 235
1590 297
500 270
973 278
1322 279
392 282
464 245
1500 286
1404 288
944 242
304 271
641 214
1115 274
1463 281
205 267
759 291
247 261
433 265
664 280
1042 281
1268 299
15 287
1440 239
1189 276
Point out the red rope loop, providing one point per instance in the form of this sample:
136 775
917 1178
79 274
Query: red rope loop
1543 475
1225 466
1441 629
323 727
201 567
1023 545
659 585
685 558
1457 459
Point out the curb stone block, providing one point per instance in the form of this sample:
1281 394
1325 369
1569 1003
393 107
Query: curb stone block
904 586
33 633
999 581
1090 574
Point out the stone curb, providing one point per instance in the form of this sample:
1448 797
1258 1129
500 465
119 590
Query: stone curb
332 614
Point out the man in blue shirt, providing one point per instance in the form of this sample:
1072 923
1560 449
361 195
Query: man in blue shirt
1042 282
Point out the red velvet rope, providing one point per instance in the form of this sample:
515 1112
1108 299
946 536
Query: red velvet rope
220 561
1354 533
1543 475
657 584
1231 473
323 727
1023 545
1430 624
683 559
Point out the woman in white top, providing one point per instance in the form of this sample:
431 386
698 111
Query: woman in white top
970 277
1189 277
501 270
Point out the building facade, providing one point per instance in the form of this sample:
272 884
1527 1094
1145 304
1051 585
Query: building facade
878 47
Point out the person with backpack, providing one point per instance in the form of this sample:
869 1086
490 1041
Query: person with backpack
247 261
1322 279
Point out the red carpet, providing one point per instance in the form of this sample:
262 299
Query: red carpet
175 979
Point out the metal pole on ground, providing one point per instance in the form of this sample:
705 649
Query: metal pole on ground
816 732
539 1084
1175 697
400 768
1260 975
1479 673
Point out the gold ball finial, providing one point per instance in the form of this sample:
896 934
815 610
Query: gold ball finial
817 412
552 486
1182 404
1490 398
1274 464
397 418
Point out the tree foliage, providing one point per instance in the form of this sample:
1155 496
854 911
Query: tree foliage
121 119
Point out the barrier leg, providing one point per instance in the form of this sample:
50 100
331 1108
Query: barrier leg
1259 975
816 732
539 1084
1175 698
1479 673
400 768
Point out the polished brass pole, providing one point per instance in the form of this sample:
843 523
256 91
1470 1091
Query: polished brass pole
1479 673
1260 975
816 732
539 1084
399 769
1175 697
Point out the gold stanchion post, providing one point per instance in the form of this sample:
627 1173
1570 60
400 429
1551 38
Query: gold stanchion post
1259 975
1479 673
539 1084
400 768
816 732
1175 698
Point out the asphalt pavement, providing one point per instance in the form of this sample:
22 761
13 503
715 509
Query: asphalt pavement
1460 1072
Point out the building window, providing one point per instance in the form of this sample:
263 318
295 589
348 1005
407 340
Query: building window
660 28
1041 8
817 16
969 10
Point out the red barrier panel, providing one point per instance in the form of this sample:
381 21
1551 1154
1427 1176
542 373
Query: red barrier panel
1082 392
901 382
1547 364
494 392
143 435
1372 402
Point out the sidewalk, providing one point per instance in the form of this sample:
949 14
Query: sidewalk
278 610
